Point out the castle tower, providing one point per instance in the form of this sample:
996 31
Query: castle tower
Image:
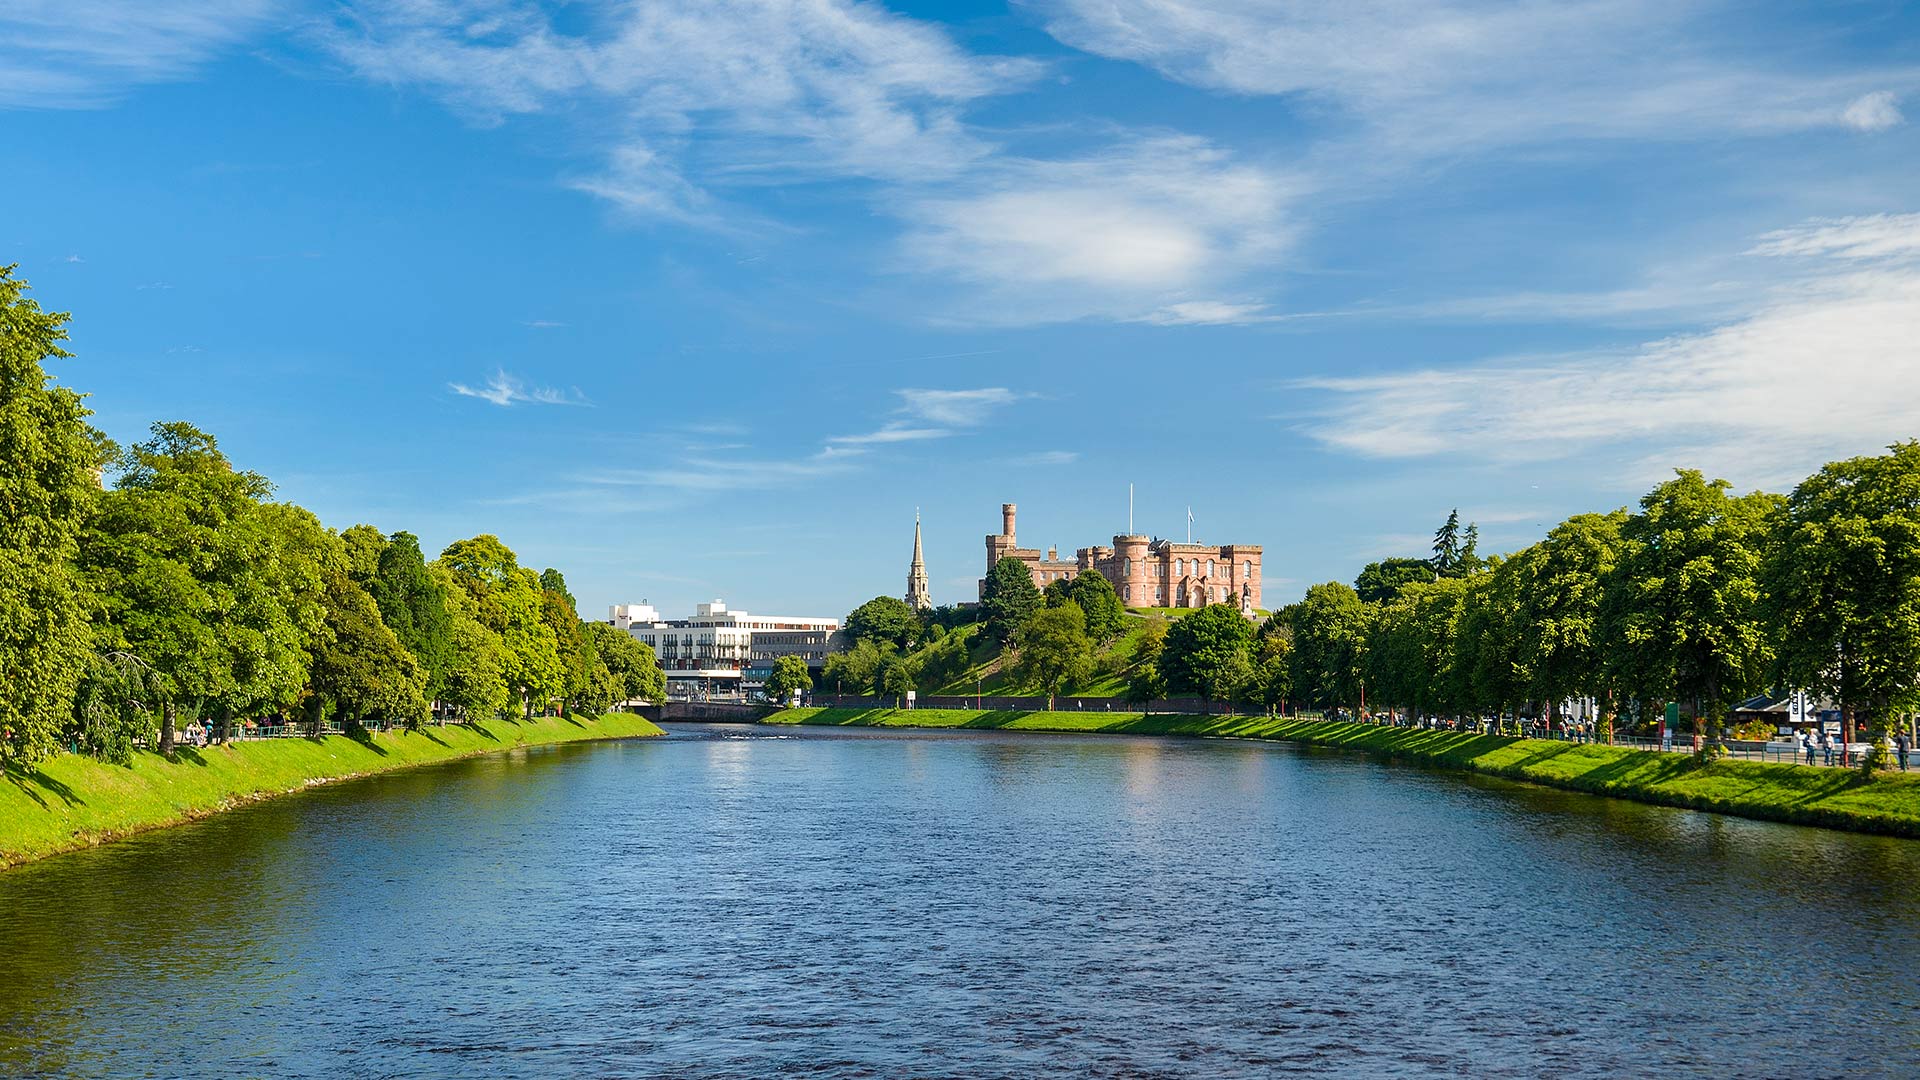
918 597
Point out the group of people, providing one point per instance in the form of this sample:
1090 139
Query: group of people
1827 747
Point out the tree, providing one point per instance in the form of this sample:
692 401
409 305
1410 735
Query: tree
856 669
884 620
1106 616
1270 683
507 597
477 660
634 669
1842 587
1206 652
555 582
1559 586
896 677
48 458
359 668
1680 612
790 676
1381 581
364 545
414 605
217 594
1054 650
1446 546
572 648
1329 627
1008 599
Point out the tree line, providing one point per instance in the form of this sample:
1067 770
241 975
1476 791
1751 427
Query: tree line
181 591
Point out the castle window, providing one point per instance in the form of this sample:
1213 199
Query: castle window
1209 567
1179 568
1246 568
1128 589
1126 567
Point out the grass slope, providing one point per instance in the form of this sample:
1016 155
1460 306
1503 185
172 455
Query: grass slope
1800 794
74 801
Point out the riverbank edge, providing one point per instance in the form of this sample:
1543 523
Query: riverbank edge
71 801
1888 804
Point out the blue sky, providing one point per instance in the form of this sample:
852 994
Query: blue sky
702 298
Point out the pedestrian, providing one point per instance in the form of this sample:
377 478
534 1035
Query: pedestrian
1900 744
1826 747
1806 744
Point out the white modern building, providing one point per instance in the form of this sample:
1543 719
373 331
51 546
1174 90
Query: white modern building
719 654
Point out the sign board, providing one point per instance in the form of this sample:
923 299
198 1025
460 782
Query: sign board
911 695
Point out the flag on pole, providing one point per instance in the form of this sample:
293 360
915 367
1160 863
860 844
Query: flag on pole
1189 524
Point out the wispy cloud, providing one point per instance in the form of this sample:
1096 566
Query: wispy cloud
543 324
1823 367
1447 75
1042 459
74 259
72 54
505 390
957 408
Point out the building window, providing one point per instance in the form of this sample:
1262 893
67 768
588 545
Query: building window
1128 589
1159 592
1247 568
1209 567
1126 568
1179 568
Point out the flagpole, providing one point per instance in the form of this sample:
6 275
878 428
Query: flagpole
1129 509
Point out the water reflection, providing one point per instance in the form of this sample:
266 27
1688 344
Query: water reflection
730 902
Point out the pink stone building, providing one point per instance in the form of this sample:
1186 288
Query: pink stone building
1146 572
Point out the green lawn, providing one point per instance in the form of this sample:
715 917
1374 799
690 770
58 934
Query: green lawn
1802 794
73 801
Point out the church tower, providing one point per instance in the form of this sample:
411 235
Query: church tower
917 596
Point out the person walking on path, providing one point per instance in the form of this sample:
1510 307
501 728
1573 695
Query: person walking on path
1900 744
1826 748
1806 745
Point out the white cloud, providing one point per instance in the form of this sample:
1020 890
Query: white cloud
1116 233
957 408
86 53
890 433
1436 75
1825 367
505 390
1042 459
821 89
1877 111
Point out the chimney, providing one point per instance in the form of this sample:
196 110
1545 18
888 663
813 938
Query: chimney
1006 520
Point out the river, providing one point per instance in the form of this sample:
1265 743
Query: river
741 902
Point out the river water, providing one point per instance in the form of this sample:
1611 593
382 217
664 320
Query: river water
744 902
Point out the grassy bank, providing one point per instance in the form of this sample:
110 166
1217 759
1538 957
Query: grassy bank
1800 794
72 801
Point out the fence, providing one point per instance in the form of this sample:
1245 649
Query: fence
1018 703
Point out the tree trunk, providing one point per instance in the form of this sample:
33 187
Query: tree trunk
166 729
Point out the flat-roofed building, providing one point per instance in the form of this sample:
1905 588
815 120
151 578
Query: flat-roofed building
708 657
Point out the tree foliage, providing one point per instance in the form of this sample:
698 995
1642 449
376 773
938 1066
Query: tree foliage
48 457
1206 653
1329 628
1054 649
789 677
1381 581
1008 598
884 620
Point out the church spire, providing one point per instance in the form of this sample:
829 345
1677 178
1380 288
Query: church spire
918 597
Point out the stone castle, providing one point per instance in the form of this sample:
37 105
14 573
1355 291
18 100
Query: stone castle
1145 571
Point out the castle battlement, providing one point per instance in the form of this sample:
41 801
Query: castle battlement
1145 571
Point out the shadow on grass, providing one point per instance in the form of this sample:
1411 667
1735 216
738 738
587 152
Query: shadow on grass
428 734
481 730
365 738
27 779
189 754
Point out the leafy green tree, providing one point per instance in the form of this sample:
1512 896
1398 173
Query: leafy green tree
364 546
1381 581
1106 616
508 598
856 670
110 709
1329 627
790 676
1206 652
1842 587
572 647
555 582
1053 649
1145 686
359 668
635 670
884 620
1489 668
414 605
1008 599
217 594
477 660
1680 613
1559 586
896 677
1446 546
48 458
1270 684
